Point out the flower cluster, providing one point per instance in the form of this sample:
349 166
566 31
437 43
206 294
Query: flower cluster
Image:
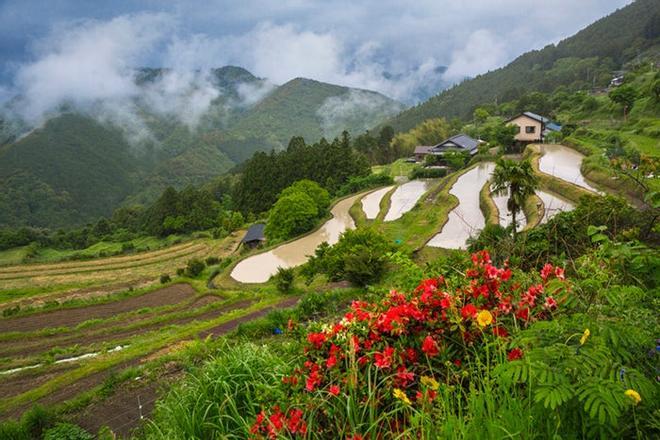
417 341
278 423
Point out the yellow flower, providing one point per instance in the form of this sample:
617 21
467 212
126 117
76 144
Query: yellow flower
634 395
585 336
399 394
430 382
484 318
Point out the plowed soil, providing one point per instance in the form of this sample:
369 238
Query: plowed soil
74 316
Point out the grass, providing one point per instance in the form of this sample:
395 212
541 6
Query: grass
395 169
488 206
534 210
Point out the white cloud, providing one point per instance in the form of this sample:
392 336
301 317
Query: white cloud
482 52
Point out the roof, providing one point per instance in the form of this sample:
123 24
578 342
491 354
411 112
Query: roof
423 149
548 123
254 233
461 141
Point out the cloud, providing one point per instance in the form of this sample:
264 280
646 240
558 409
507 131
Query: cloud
482 52
339 112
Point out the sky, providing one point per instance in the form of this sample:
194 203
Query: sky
79 50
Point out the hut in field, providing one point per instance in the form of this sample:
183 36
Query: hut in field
254 236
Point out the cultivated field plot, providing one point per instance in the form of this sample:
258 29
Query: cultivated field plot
49 357
85 279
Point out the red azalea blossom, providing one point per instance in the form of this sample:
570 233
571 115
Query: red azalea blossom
469 311
384 359
392 333
514 354
429 346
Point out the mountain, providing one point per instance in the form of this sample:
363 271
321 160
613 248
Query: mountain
82 164
584 60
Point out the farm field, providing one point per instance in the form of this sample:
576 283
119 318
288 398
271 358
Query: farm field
88 279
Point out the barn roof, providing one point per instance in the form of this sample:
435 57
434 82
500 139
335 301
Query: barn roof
254 233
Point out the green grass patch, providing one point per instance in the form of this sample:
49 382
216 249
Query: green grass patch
488 206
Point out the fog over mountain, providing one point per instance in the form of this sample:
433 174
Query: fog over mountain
78 51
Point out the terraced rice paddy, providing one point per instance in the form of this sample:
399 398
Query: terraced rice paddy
371 202
563 163
405 197
259 268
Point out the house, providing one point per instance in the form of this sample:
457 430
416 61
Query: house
460 142
254 236
532 127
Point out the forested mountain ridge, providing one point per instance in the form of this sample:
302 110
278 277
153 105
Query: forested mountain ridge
584 60
78 166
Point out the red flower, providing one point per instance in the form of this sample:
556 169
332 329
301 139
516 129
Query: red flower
469 311
334 390
559 273
429 346
404 377
384 359
522 313
500 332
316 339
546 271
550 303
331 362
295 423
514 354
458 362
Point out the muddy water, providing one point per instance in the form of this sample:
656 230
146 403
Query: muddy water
260 267
466 219
371 202
405 197
505 216
563 163
553 205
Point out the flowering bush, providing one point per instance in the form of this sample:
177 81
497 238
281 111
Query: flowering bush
397 353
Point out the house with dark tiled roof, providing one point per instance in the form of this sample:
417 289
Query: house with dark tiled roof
459 142
532 127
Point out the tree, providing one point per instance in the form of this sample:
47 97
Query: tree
504 135
320 196
624 95
291 215
519 180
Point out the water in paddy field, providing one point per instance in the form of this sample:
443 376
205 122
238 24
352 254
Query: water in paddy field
259 268
564 163
371 202
466 219
553 205
405 197
505 216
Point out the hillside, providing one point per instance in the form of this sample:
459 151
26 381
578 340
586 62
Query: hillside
584 60
79 166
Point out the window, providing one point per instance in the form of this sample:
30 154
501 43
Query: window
530 129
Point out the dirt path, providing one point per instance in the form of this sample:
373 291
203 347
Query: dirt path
74 316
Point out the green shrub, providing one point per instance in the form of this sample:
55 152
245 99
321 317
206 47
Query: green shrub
12 430
284 279
67 431
356 184
427 173
37 420
180 271
359 257
165 278
210 261
291 215
194 267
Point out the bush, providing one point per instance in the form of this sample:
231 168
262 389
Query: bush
127 247
356 184
359 257
194 267
210 261
180 271
67 431
165 278
427 173
37 420
284 279
12 430
291 215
